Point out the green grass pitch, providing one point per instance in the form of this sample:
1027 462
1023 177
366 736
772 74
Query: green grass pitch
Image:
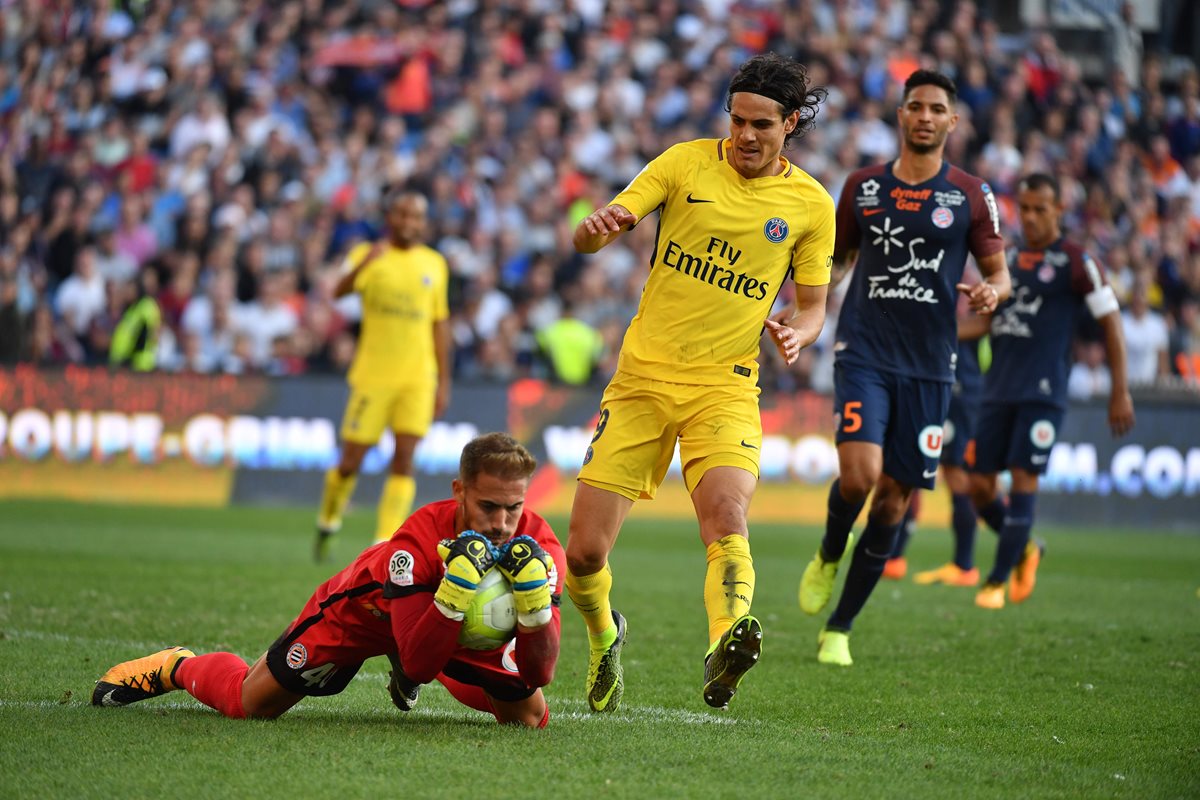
1088 690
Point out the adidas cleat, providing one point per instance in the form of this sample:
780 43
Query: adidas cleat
948 574
895 569
140 679
323 544
404 692
833 647
991 596
605 680
1024 575
816 585
732 657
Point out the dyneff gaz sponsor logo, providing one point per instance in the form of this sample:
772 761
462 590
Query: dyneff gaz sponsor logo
715 268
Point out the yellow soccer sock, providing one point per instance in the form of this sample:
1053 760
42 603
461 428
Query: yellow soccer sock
334 497
590 593
728 584
394 505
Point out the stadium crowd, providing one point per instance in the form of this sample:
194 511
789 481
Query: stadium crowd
219 158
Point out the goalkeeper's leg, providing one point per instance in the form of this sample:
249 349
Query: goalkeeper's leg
596 518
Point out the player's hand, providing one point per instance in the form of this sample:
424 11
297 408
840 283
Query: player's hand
1120 413
982 297
608 220
786 340
468 558
528 567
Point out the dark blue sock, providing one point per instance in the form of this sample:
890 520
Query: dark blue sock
1014 536
865 568
963 520
993 514
838 523
906 531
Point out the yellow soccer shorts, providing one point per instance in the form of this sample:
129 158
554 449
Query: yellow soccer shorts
641 419
406 409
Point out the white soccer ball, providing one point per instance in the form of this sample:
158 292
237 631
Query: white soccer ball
491 619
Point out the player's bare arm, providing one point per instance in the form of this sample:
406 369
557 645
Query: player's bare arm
345 284
984 297
1120 405
443 348
602 227
843 261
795 328
974 326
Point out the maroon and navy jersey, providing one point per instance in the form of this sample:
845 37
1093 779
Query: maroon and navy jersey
1032 330
912 242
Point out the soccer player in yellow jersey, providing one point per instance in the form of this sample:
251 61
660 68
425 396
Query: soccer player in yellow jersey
400 377
737 219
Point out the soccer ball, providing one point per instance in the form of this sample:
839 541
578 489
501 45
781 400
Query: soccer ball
491 619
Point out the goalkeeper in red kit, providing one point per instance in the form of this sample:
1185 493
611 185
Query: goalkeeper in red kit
404 598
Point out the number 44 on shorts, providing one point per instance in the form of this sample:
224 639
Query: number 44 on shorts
318 676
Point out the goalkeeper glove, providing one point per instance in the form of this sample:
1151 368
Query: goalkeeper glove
528 567
467 559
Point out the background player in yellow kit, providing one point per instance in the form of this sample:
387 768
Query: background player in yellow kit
400 377
736 219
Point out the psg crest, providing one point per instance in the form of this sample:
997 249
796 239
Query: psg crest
776 230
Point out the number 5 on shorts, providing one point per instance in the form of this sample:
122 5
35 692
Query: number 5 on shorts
851 419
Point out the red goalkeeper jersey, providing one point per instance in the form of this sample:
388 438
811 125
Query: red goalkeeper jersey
383 603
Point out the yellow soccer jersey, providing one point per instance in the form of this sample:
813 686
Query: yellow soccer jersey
403 294
723 249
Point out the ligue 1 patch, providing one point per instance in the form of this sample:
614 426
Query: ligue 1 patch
297 656
587 457
1046 274
942 217
948 433
1042 434
929 440
776 230
400 568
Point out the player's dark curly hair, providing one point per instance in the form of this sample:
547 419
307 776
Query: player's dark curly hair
783 80
497 454
929 77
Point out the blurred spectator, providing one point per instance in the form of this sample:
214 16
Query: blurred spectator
572 347
1146 339
1089 376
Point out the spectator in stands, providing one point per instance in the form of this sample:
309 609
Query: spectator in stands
1146 339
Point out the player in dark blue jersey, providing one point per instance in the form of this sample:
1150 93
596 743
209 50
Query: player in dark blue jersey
958 453
910 223
1025 390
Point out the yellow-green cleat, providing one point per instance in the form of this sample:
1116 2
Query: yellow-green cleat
816 585
605 680
140 679
730 659
833 647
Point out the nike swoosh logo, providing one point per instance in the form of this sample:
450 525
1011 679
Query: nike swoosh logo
870 212
929 473
734 583
745 444
691 199
107 700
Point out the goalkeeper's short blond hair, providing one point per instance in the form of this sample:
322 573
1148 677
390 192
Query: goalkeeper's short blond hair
497 454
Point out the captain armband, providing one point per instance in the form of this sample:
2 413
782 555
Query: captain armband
1102 301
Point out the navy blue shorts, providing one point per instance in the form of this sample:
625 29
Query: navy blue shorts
1018 435
902 415
957 450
